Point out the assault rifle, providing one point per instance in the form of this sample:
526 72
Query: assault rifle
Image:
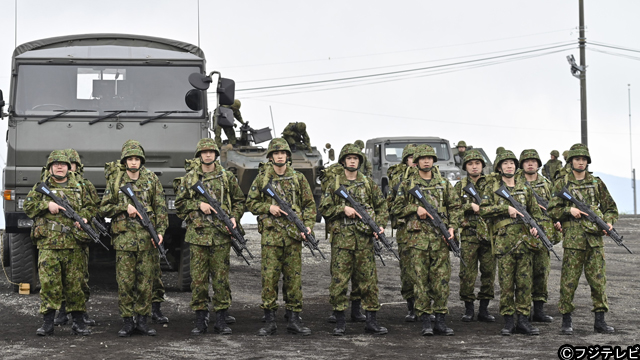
527 219
541 201
311 241
437 222
99 224
70 213
471 190
591 216
364 216
238 242
145 221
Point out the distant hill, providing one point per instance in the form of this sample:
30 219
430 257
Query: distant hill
620 189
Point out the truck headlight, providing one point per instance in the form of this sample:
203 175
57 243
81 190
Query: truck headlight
25 223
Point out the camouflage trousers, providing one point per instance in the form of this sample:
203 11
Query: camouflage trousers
359 266
541 263
573 263
134 274
61 275
476 255
210 261
514 276
285 261
296 141
354 295
405 267
85 280
158 286
229 131
430 272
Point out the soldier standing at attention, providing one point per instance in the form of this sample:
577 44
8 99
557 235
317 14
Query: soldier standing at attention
135 251
430 264
352 252
475 243
367 167
552 165
208 237
513 243
295 134
583 244
60 256
281 240
459 157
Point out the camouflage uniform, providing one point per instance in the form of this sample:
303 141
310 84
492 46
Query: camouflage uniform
550 168
296 135
367 167
228 130
459 157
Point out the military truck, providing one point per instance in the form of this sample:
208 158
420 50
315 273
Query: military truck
384 152
93 92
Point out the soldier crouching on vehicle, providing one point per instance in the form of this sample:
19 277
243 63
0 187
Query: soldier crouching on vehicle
60 257
135 252
208 237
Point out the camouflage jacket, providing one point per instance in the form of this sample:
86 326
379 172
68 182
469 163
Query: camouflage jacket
561 172
293 188
396 174
131 235
57 231
472 225
303 137
550 168
543 187
580 233
439 193
222 186
347 233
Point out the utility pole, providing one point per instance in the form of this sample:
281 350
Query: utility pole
633 170
582 42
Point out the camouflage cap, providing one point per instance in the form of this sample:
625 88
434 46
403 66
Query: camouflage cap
461 143
351 149
278 144
555 153
359 143
73 155
300 126
529 154
499 150
206 144
472 154
502 156
408 150
132 148
579 150
424 150
58 156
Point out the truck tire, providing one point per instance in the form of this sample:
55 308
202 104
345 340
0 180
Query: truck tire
5 250
184 268
23 257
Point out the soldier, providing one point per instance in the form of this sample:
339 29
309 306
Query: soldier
530 163
367 167
552 165
135 252
281 240
60 258
228 130
295 133
499 150
583 244
352 252
208 237
475 243
430 265
512 243
459 157
565 170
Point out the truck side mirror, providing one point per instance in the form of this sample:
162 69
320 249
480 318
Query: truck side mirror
193 99
200 81
226 90
332 155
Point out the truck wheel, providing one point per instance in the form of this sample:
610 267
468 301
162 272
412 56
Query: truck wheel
5 250
184 268
23 257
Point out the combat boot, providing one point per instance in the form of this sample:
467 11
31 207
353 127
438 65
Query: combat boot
62 318
468 311
270 320
332 318
601 326
483 312
411 315
87 320
276 313
538 313
295 325
524 326
127 328
201 323
371 324
341 323
142 327
47 325
220 326
441 328
567 325
79 327
509 326
356 314
228 318
427 330
156 314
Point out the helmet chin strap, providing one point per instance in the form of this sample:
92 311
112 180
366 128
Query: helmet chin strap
208 163
279 164
425 169
508 176
133 170
530 172
59 177
578 170
352 169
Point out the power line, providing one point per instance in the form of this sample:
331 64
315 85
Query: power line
613 46
615 54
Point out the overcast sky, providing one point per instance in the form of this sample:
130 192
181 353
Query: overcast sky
531 103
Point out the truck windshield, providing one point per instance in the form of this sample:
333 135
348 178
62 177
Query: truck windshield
44 90
393 151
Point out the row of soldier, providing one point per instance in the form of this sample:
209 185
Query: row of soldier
490 233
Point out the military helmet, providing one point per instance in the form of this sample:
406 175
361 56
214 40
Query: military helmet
408 150
236 104
359 143
461 143
529 154
207 144
502 156
132 148
579 150
555 153
565 154
300 126
472 154
278 144
58 156
499 150
424 150
351 149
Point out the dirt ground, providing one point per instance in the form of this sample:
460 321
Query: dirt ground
20 319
